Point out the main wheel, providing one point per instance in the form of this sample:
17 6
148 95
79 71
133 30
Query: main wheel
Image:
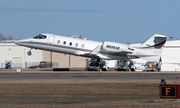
91 64
96 64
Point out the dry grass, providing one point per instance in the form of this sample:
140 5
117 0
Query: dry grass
82 94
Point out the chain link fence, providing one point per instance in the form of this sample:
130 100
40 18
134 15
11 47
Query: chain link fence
2 65
30 65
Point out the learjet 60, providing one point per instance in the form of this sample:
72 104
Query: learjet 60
149 50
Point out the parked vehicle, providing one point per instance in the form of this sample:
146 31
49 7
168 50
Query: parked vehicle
42 64
152 66
8 65
125 65
139 66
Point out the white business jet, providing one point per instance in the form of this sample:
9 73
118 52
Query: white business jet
150 50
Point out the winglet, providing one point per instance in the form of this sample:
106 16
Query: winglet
95 51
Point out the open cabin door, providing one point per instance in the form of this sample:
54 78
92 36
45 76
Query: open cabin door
51 40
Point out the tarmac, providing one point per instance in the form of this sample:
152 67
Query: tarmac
86 78
83 75
73 71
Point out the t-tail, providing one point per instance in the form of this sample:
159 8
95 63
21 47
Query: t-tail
151 49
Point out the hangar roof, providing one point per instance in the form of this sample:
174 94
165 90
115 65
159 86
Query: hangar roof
7 43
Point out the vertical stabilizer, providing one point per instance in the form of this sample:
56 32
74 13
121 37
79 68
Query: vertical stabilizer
152 48
155 40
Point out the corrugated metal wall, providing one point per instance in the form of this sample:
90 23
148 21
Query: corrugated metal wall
65 60
171 56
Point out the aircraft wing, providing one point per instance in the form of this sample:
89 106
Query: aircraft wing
90 54
95 51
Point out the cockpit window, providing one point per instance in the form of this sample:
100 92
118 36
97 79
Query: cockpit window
40 36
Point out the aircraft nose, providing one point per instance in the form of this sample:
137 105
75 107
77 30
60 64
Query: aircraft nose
16 42
19 42
23 42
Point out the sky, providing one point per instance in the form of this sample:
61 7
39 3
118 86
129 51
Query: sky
123 21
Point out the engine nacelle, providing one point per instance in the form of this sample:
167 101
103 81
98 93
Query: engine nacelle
115 47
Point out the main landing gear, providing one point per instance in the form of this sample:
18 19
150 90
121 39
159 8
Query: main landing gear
96 64
29 53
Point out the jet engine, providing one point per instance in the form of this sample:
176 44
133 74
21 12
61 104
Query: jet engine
116 47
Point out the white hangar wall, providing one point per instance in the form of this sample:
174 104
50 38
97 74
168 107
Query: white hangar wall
171 56
18 55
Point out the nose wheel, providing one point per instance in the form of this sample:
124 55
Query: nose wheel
29 53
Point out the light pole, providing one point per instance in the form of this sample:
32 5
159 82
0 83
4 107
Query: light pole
51 59
69 61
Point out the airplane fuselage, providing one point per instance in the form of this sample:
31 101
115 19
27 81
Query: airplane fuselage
73 46
149 50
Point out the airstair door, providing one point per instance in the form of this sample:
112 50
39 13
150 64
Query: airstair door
51 40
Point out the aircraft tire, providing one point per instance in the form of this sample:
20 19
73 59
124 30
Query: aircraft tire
29 53
91 64
97 64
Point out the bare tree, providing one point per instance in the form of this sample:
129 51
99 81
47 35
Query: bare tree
2 37
9 37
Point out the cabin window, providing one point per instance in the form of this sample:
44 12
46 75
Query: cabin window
64 43
40 36
82 45
58 42
70 44
76 44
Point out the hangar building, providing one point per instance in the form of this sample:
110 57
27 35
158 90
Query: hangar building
171 56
